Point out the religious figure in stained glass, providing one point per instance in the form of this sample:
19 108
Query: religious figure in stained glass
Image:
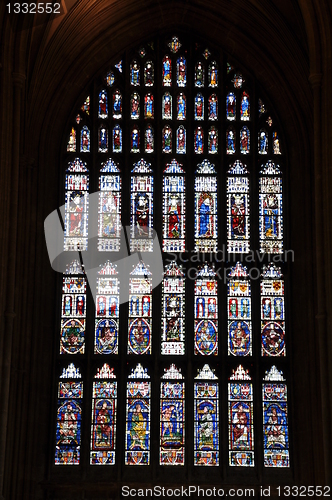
71 145
213 107
109 208
181 68
149 140
213 74
199 140
199 75
238 222
173 208
167 106
76 206
135 106
117 139
102 140
167 71
148 74
245 106
230 141
213 141
134 142
134 74
181 107
167 139
239 312
276 144
205 208
103 105
231 106
262 143
117 105
148 106
244 140
181 140
85 140
206 315
199 107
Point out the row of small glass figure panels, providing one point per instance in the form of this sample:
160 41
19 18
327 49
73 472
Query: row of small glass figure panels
167 107
181 139
172 423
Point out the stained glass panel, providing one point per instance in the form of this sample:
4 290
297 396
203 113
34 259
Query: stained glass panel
213 74
199 107
167 139
148 74
167 71
275 420
140 310
167 106
149 139
134 140
103 417
240 419
199 140
148 106
117 139
213 107
85 140
272 312
174 209
262 142
181 140
199 74
270 209
206 312
141 208
102 139
135 74
117 105
134 106
181 108
138 402
206 208
213 141
173 312
276 144
245 106
181 72
69 417
172 418
103 105
238 222
71 145
206 424
109 209
76 206
230 141
239 312
231 106
244 140
107 310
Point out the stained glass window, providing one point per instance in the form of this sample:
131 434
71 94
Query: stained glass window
76 206
135 74
199 107
245 106
239 312
173 302
148 74
213 141
85 140
206 312
199 74
231 106
199 140
148 139
245 140
148 106
275 420
181 107
272 312
213 107
117 139
213 74
71 145
172 417
167 71
174 208
138 402
230 141
103 105
141 208
117 105
69 421
181 72
103 417
135 106
140 310
181 140
240 419
135 140
206 411
263 145
270 209
107 310
238 222
167 139
206 208
276 144
109 223
167 106
102 139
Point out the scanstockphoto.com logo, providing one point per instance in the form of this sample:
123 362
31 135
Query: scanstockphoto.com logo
126 259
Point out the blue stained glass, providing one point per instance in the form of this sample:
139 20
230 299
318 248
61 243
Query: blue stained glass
262 142
148 106
167 71
103 105
181 67
245 106
135 106
181 107
134 74
134 140
199 75
230 141
213 107
117 105
213 141
149 140
199 140
103 140
85 140
167 139
206 424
